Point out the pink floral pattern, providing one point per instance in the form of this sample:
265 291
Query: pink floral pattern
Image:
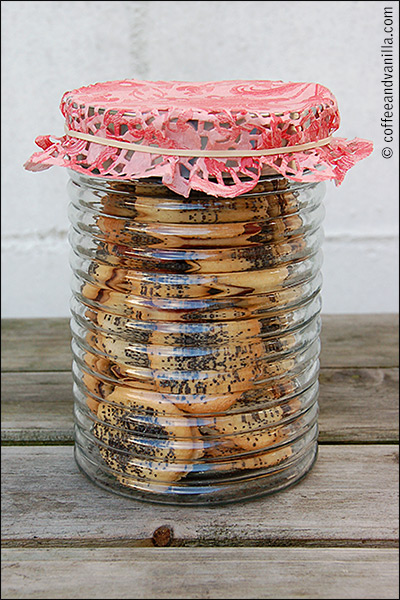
226 115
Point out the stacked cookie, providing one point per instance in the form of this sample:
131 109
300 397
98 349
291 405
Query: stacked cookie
195 337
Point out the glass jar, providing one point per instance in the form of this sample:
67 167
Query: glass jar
195 327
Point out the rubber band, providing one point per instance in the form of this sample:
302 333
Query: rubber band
194 152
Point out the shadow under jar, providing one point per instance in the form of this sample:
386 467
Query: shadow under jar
195 327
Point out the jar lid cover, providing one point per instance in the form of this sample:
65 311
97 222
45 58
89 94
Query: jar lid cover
216 137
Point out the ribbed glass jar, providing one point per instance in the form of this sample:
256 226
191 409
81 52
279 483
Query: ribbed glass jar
195 327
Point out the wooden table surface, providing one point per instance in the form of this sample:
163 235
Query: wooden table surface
333 535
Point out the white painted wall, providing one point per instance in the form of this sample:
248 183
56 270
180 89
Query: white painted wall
50 47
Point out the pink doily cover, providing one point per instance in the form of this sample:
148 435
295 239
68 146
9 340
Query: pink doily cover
226 115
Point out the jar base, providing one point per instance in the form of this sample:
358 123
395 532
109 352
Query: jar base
210 495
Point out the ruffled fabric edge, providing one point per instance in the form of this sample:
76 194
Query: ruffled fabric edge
217 177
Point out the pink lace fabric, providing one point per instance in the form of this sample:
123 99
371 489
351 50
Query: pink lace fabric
224 115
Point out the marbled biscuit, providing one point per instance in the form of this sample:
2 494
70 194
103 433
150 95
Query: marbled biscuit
158 209
181 334
159 309
231 458
201 260
144 437
255 429
119 230
183 286
192 372
268 182
95 382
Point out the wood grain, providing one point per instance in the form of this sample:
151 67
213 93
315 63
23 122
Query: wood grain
347 341
200 573
333 535
37 407
356 405
360 340
35 345
359 405
349 497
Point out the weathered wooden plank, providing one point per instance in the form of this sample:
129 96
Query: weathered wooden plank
37 407
350 496
35 345
200 573
359 405
347 341
356 405
360 340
